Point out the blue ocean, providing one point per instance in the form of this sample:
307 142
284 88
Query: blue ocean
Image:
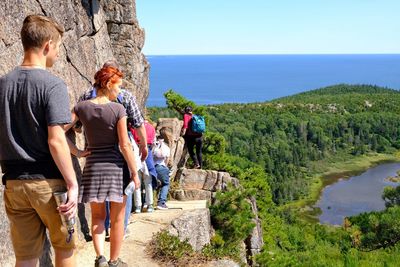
257 78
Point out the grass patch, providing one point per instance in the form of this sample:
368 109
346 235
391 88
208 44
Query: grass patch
169 250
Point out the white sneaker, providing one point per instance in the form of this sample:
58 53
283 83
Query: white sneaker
150 209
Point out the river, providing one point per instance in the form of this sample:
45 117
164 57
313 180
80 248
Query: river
357 194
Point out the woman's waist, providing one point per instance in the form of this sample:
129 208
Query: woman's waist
102 148
105 152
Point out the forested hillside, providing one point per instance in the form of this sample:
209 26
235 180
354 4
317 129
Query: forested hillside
277 148
287 134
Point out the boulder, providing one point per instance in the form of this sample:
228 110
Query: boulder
211 180
191 194
192 178
193 226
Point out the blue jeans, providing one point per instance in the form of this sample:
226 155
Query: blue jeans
151 167
107 220
163 177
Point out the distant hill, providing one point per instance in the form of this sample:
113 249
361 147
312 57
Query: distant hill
345 89
348 98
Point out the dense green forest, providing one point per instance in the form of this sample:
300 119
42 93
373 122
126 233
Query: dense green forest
278 148
286 135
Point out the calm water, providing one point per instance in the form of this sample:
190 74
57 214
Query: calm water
256 78
356 195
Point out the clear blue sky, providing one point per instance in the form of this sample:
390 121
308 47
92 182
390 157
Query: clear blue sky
270 26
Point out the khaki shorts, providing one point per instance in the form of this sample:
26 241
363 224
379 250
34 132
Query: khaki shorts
31 208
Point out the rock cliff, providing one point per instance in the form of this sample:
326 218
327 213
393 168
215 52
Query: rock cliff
195 184
95 31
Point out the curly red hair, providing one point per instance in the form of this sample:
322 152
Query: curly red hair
106 77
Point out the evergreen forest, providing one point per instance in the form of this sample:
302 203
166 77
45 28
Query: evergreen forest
282 151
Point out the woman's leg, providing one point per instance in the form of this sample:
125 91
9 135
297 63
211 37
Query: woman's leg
117 214
190 142
199 147
98 218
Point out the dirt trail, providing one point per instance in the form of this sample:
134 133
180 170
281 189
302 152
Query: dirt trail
141 227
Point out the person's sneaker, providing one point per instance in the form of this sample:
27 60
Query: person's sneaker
162 206
138 210
150 208
117 263
100 261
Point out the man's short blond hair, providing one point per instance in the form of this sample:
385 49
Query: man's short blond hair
38 29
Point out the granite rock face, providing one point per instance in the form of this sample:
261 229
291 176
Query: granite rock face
195 184
95 31
193 226
179 155
254 242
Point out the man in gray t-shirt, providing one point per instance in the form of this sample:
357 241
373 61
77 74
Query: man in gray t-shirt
34 154
30 100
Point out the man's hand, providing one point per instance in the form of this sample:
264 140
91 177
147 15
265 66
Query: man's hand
143 152
69 209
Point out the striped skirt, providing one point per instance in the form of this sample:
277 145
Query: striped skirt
104 178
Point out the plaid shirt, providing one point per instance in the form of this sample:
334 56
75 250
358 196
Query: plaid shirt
125 98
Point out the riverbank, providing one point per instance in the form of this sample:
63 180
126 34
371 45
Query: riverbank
329 171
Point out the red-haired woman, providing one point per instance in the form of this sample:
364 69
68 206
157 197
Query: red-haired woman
107 171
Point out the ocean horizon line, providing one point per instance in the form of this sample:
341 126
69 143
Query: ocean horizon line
300 54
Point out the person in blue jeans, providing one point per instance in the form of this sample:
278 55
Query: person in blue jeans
161 153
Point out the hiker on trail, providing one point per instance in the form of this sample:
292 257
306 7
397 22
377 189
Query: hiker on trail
192 139
34 154
161 154
111 164
135 119
148 172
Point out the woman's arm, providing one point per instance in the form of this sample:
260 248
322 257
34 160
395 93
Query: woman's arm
72 147
126 149
74 119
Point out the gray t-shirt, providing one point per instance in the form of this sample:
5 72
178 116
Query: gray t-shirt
30 100
100 122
